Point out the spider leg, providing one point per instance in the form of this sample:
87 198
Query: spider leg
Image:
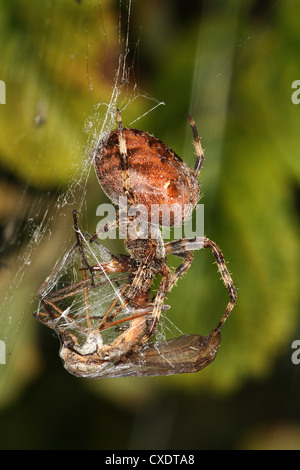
167 283
198 147
104 229
196 243
120 222
124 161
105 253
182 268
163 289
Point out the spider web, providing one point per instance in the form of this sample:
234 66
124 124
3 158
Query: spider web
42 215
76 305
46 219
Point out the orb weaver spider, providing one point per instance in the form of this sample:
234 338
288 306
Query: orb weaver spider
114 342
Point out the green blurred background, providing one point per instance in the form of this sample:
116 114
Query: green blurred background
232 65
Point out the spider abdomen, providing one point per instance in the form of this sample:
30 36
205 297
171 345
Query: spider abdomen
158 178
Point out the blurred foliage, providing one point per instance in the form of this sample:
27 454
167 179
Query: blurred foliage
232 65
44 64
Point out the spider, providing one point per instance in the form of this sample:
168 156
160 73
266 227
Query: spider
135 164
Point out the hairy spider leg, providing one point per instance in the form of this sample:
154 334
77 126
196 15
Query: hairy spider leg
167 284
161 293
182 268
124 161
104 229
196 243
198 147
229 284
111 226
